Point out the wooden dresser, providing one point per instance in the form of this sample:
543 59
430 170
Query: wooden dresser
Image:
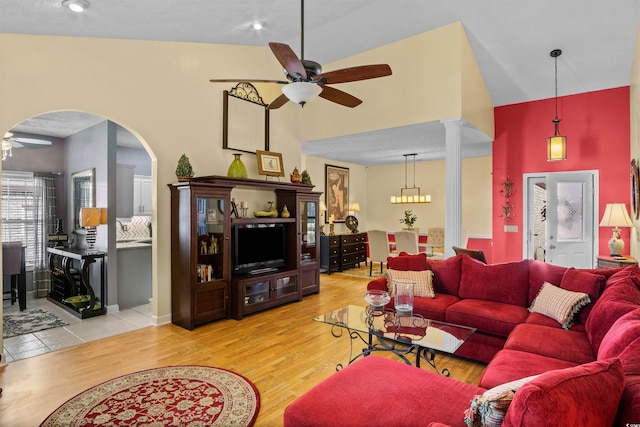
342 251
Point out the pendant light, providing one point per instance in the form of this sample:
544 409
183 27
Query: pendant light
556 144
414 198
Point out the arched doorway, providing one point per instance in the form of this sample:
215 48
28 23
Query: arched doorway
80 141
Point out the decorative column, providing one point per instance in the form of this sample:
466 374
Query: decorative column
453 182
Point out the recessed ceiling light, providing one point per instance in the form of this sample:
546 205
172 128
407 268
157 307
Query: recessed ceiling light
76 5
256 25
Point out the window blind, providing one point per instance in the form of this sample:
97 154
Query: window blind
18 211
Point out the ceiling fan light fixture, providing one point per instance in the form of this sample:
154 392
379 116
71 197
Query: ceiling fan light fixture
77 6
301 92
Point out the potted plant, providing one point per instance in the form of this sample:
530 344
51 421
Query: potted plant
409 219
184 171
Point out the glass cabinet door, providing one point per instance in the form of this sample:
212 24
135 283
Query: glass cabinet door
308 224
210 223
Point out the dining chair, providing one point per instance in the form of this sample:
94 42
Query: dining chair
13 266
407 241
378 248
473 253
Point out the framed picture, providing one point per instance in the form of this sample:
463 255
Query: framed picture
269 163
337 192
635 189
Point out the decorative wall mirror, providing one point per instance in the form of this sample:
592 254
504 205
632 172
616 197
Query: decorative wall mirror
245 120
83 193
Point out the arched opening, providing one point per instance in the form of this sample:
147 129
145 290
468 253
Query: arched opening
51 148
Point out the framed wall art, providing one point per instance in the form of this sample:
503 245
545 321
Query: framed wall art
635 189
270 163
337 192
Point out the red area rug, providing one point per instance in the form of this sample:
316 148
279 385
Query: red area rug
193 396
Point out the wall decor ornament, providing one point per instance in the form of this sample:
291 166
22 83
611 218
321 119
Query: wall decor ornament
269 163
507 191
237 169
635 189
295 176
337 192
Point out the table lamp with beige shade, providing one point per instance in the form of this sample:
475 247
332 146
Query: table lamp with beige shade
616 215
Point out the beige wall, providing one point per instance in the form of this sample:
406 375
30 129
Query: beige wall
427 84
386 181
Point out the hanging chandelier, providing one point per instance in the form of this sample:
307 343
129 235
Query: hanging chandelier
416 197
556 144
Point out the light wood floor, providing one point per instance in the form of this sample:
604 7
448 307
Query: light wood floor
282 351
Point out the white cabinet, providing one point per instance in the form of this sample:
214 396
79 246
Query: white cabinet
142 186
124 192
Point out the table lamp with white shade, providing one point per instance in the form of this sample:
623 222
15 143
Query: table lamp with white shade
616 215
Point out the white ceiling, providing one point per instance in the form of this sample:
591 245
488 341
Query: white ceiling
511 40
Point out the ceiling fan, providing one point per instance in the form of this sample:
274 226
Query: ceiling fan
305 79
9 142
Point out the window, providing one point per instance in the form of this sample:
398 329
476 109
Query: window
18 213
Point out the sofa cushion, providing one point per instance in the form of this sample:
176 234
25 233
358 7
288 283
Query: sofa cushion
617 300
559 304
623 331
407 262
629 407
583 281
487 316
540 272
568 397
446 274
506 283
630 272
423 285
553 342
434 308
489 409
509 365
355 397
542 320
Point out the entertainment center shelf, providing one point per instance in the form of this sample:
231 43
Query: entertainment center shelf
212 257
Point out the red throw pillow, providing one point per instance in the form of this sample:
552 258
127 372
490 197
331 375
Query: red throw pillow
583 281
585 395
417 262
507 282
540 272
446 274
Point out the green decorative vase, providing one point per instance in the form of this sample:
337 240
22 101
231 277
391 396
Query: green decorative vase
237 168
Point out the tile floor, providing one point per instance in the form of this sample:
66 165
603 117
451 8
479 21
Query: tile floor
76 332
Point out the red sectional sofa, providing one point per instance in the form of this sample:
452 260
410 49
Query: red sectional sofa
587 375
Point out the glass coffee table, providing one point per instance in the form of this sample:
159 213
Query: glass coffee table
400 335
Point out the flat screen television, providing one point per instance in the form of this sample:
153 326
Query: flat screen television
258 247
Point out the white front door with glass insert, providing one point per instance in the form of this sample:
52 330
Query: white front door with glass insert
561 218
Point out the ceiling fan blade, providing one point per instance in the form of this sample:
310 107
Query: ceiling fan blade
281 82
31 141
339 97
352 74
278 102
288 59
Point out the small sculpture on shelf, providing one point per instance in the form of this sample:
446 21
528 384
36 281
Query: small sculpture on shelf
285 212
295 176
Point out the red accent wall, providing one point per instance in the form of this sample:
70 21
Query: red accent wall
597 127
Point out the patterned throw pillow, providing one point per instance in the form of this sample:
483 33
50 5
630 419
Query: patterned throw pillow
423 279
489 409
559 304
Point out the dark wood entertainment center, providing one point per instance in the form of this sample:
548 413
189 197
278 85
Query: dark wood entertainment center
203 285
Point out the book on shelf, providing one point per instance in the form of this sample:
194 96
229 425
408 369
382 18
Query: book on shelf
205 273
